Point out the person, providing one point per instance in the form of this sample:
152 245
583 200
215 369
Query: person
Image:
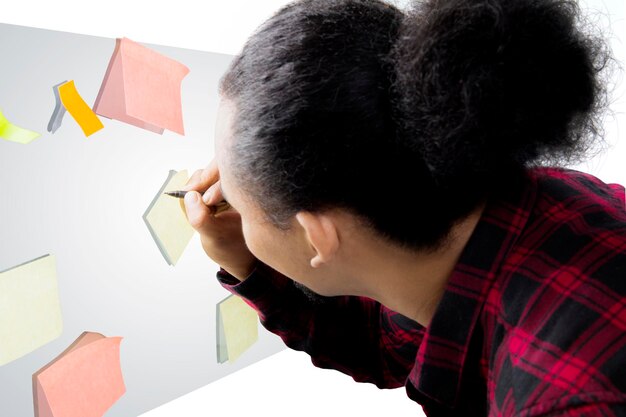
401 206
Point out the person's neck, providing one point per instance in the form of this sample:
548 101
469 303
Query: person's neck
408 282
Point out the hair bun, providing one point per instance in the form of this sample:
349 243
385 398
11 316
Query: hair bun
483 85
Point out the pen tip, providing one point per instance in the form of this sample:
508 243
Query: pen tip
176 194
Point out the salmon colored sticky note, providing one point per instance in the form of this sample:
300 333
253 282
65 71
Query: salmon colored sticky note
142 87
167 221
14 133
237 328
83 381
78 109
30 312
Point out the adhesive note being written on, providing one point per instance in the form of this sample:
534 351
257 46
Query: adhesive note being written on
143 88
30 312
13 133
166 219
237 328
83 381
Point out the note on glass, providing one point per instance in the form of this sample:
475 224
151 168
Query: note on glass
237 328
14 133
142 87
59 109
77 108
167 221
30 312
83 381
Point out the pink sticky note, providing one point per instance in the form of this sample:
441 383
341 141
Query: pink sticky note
142 87
83 381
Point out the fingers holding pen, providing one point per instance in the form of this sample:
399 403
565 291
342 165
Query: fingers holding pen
200 215
213 195
204 198
202 179
193 181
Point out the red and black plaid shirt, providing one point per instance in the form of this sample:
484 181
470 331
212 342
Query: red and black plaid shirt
532 322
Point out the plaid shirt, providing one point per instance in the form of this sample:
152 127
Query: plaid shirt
532 322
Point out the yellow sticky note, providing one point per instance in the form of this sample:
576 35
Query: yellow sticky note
14 133
83 381
78 109
237 328
167 221
142 87
30 312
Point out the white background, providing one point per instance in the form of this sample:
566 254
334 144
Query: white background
285 384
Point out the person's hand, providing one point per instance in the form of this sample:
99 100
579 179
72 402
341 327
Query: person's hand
221 234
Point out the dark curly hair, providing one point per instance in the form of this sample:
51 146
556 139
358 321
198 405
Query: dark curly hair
341 101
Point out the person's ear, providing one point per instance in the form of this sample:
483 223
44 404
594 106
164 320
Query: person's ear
321 233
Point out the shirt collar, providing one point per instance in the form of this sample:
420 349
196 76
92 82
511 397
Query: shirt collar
442 355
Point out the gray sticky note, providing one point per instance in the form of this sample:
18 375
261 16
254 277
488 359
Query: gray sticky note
59 110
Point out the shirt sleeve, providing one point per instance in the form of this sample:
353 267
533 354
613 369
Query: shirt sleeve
355 335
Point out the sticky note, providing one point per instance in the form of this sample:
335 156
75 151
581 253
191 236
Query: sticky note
78 109
167 221
14 133
142 87
83 381
30 312
237 328
59 110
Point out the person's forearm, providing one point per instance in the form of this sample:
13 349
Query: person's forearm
343 333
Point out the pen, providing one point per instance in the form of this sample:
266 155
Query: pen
215 209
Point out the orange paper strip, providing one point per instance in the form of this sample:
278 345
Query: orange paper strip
80 111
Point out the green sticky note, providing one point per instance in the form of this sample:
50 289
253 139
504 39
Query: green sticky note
30 312
14 133
237 328
167 221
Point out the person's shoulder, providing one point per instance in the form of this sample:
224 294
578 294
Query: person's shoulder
576 226
562 293
573 245
575 236
572 189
